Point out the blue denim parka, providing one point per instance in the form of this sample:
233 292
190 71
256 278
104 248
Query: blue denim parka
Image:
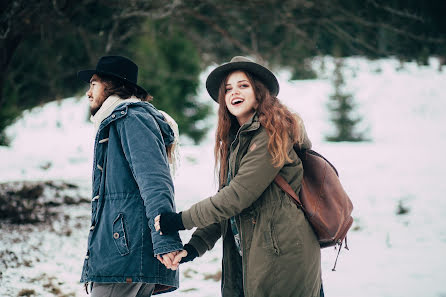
131 186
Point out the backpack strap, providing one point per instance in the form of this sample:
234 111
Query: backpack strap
282 183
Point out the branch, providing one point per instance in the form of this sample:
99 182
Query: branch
389 27
221 31
413 36
87 45
110 39
344 35
6 32
405 14
153 15
126 35
57 9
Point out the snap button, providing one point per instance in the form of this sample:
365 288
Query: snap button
113 116
92 228
122 112
99 167
86 257
116 235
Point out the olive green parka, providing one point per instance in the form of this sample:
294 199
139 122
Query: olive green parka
280 252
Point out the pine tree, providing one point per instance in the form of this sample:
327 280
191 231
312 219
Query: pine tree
341 107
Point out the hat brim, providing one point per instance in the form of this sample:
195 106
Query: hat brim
215 78
85 76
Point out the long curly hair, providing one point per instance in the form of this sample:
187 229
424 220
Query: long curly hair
282 126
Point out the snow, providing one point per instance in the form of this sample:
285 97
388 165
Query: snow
390 255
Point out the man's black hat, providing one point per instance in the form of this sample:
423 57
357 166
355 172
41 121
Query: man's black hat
116 66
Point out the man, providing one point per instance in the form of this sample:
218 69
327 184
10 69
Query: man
131 185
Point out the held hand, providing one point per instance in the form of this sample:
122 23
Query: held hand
190 254
178 257
169 260
157 223
168 223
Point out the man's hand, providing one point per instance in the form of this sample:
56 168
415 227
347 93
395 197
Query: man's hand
169 260
173 259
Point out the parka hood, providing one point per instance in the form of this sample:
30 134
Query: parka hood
305 144
166 130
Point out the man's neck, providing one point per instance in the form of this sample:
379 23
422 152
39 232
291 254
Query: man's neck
107 108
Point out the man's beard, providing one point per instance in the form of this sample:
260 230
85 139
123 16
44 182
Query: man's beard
94 109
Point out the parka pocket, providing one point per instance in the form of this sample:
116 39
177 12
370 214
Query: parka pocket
273 239
120 236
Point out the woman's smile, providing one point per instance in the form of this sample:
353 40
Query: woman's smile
240 97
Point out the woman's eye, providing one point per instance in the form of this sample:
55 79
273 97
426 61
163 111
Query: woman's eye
244 86
227 90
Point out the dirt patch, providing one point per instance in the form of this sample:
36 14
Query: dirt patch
213 276
26 202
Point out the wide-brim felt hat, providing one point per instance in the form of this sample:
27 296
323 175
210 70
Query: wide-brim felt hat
215 78
116 66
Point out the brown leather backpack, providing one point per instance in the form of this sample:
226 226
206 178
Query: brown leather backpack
322 198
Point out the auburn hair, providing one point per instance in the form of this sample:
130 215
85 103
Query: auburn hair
281 124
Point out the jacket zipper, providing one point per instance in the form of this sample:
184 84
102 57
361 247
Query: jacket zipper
240 231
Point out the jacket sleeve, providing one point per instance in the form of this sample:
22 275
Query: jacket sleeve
255 174
204 239
145 152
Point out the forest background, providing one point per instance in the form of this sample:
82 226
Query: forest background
44 43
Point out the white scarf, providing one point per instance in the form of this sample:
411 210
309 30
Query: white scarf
107 108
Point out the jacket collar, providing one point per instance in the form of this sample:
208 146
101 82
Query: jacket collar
107 109
252 124
122 109
119 112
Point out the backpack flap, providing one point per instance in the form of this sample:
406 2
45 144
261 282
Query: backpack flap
322 198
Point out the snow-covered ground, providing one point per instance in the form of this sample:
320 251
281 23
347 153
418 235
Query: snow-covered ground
390 255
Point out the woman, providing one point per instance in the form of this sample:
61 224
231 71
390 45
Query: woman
269 248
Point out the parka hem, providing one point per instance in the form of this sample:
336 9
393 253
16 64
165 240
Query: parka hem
172 286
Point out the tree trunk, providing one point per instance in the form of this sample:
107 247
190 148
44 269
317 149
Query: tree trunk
7 49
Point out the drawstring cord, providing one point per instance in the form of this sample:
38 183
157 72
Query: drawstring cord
339 246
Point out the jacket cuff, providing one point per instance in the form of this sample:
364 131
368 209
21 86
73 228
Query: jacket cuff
168 249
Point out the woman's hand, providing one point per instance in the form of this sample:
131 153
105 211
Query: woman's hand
178 257
173 259
188 254
168 223
169 260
